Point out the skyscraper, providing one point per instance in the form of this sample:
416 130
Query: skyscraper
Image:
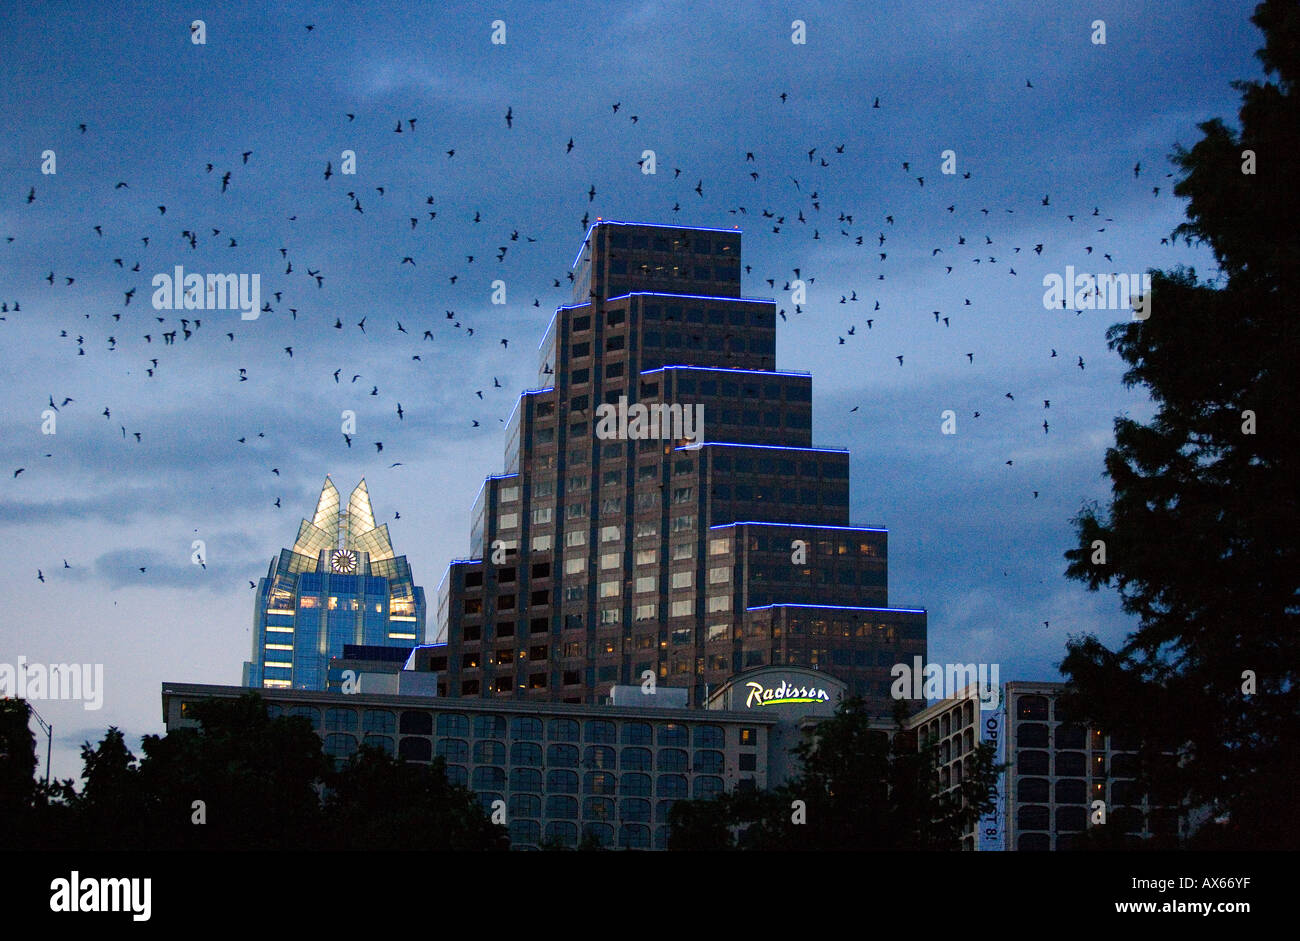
340 584
664 516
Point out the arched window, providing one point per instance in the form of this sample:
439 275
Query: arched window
634 837
338 745
449 723
709 736
561 756
598 808
636 733
1070 764
340 720
634 810
525 833
561 782
453 749
525 779
525 729
707 786
1031 707
635 759
602 833
489 726
1032 762
674 733
525 805
599 782
708 762
562 806
563 730
1071 791
672 759
559 833
526 753
635 784
1032 790
415 749
600 732
489 777
1032 817
1031 735
672 786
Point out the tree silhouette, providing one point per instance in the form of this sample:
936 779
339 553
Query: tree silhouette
240 780
1200 537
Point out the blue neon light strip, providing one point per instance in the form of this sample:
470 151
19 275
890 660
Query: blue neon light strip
511 417
701 297
547 332
649 225
770 447
839 607
727 369
854 529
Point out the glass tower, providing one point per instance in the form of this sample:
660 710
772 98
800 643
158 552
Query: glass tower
664 516
339 585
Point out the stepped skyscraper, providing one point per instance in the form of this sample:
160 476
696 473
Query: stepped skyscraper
664 517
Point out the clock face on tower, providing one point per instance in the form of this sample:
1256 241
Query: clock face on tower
343 562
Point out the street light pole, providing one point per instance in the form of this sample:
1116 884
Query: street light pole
49 740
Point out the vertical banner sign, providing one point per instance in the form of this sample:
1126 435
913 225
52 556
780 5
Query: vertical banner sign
990 825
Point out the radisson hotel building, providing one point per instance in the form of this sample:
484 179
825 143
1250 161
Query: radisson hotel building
643 617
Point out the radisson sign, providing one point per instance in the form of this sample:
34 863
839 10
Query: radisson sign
760 695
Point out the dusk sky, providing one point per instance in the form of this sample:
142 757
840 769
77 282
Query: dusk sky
1046 127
